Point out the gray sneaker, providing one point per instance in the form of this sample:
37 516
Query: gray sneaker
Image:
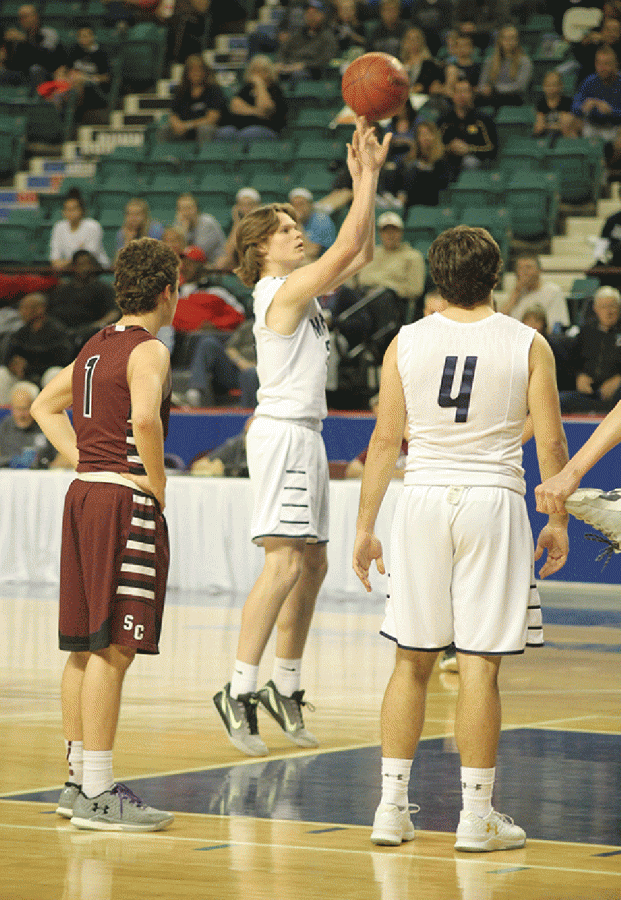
288 713
68 796
602 510
118 809
239 715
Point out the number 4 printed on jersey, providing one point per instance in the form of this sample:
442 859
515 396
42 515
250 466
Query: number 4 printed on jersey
462 401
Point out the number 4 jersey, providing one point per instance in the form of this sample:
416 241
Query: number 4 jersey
101 401
465 387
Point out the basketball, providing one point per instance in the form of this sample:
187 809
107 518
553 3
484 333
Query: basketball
375 85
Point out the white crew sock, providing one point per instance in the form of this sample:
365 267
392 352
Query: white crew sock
245 679
98 775
287 675
74 751
476 790
395 781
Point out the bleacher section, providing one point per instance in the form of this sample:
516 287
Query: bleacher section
539 197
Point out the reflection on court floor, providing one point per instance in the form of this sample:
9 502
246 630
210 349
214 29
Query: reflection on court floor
573 778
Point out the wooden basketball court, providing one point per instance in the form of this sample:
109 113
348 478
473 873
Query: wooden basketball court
296 824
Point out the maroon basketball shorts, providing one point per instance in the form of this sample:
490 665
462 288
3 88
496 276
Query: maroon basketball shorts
113 568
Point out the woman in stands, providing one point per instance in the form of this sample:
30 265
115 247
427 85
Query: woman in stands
259 109
137 224
423 172
554 117
507 73
199 107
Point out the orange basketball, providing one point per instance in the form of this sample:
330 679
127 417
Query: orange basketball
375 85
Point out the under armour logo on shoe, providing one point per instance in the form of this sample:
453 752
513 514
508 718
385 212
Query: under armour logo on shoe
491 826
104 809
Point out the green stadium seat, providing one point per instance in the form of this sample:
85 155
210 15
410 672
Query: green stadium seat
425 223
578 165
514 121
476 188
522 153
532 201
274 188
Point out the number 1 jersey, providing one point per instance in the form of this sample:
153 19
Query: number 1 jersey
102 404
465 386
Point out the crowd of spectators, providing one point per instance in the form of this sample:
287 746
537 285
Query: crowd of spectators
463 66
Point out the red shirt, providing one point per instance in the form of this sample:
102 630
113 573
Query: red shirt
102 404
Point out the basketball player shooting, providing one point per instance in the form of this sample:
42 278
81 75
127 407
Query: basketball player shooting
286 454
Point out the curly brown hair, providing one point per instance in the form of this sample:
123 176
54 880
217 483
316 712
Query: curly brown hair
254 229
143 269
465 264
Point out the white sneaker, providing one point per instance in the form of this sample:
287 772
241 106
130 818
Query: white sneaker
392 825
494 832
601 509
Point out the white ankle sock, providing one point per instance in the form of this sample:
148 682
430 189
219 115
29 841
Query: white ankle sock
74 751
98 775
287 675
476 790
395 781
245 679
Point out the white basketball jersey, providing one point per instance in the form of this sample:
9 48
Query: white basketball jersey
465 387
292 368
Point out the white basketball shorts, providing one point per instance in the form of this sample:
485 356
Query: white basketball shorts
462 571
290 480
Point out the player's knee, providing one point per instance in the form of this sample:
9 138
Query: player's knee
286 562
316 562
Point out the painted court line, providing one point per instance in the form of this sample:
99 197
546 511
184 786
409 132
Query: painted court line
166 836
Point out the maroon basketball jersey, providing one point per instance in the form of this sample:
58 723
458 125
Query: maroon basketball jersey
102 416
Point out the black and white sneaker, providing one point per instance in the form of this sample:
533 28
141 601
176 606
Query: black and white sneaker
287 711
602 510
239 715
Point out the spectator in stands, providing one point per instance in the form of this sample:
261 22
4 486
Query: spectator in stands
426 76
402 126
22 443
596 353
186 28
435 18
597 101
612 157
348 30
318 228
203 304
469 136
137 224
391 283
308 51
33 49
228 459
530 289
423 172
199 108
88 70
355 467
607 250
507 72
554 117
608 34
199 229
218 367
259 109
246 199
465 63
84 304
175 238
37 350
389 32
76 232
535 317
